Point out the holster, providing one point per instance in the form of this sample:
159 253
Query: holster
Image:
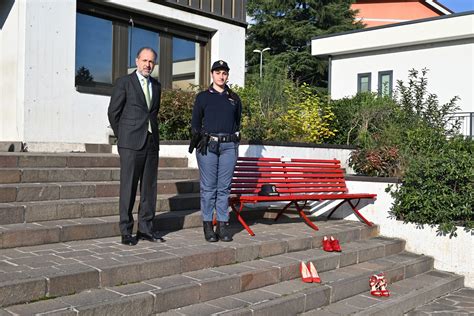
213 146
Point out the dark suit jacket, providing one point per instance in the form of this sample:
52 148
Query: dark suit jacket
129 115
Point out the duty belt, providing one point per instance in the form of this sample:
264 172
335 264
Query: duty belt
224 138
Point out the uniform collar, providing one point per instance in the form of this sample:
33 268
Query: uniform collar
212 90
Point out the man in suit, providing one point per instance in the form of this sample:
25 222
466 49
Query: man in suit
133 115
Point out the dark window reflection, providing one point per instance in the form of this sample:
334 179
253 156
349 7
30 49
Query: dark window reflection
93 49
183 49
138 38
185 65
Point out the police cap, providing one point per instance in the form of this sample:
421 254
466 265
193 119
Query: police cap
220 64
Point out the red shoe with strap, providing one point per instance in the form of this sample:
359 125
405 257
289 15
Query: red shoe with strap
335 244
327 245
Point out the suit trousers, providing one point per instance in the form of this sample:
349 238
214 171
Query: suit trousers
138 166
216 172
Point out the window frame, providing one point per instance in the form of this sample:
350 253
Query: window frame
167 29
390 88
363 75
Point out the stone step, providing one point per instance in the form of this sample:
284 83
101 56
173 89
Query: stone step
40 175
405 295
228 286
39 211
38 272
458 302
26 192
338 285
40 233
73 160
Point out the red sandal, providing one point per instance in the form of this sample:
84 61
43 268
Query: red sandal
373 282
382 283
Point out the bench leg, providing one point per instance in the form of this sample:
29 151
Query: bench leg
241 220
283 211
334 209
354 209
304 217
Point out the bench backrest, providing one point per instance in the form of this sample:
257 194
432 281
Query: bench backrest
289 175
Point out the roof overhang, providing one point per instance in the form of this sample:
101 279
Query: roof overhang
431 30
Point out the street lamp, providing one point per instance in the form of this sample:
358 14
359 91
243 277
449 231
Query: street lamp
261 57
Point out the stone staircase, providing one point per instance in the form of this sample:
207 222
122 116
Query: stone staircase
60 252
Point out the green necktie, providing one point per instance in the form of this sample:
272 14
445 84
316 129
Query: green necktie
147 97
146 91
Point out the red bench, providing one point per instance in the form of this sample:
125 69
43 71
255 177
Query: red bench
297 180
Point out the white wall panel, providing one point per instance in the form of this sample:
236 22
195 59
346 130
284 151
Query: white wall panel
451 68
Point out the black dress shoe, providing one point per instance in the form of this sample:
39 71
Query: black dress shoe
153 237
129 240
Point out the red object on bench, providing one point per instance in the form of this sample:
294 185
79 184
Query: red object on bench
297 180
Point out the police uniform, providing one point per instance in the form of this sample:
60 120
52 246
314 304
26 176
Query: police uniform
216 123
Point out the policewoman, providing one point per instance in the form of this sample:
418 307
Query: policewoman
215 127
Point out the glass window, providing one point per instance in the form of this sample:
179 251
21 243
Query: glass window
363 82
93 49
185 63
138 38
385 83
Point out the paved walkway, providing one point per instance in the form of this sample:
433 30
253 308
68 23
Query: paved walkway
460 302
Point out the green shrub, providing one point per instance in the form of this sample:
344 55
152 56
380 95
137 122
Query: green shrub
438 187
307 119
277 109
175 114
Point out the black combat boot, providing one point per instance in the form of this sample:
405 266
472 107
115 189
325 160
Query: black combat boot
209 233
223 232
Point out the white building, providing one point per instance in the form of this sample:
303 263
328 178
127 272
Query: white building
374 59
59 59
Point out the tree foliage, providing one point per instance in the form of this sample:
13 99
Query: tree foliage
287 28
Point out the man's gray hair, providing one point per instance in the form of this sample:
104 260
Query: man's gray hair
147 48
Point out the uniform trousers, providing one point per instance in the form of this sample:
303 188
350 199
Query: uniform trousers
138 166
216 172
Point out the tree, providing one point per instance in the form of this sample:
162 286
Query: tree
83 75
287 27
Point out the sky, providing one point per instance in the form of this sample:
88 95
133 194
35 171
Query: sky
458 5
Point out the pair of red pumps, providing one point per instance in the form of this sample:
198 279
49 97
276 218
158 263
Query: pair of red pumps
331 244
309 273
378 285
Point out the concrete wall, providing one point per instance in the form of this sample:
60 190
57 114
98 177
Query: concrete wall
265 151
12 65
451 66
39 103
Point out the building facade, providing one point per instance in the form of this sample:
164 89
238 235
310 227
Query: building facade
59 59
373 59
384 12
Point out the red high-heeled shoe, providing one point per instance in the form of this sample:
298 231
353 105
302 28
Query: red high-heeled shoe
314 273
335 244
374 282
327 244
305 274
